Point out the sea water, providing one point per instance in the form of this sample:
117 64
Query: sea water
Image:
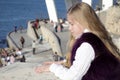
19 12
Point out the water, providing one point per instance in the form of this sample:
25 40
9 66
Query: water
19 12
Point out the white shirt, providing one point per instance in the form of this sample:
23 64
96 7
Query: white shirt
33 44
83 58
19 53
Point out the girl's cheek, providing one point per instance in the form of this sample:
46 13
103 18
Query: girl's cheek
69 28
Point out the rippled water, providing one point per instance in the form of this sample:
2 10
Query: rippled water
19 12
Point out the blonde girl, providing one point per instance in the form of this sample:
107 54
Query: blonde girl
92 54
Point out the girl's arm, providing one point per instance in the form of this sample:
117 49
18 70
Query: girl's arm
83 58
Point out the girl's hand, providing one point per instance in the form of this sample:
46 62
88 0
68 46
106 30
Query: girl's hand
40 69
45 66
49 63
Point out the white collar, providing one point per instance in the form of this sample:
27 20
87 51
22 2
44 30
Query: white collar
85 31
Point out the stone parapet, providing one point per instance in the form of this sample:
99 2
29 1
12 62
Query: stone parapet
48 36
10 42
52 39
30 31
113 20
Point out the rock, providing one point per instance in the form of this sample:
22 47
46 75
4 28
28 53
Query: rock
113 19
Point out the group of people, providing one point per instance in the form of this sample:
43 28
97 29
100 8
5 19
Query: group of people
91 54
6 58
34 42
58 27
10 57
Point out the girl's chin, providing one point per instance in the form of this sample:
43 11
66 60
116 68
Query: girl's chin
74 36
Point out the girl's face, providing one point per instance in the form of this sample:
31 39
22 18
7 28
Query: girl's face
75 28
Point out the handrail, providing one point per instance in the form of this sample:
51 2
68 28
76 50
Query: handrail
11 43
35 33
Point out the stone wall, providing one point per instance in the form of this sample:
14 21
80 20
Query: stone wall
52 39
10 42
48 35
30 31
112 23
113 20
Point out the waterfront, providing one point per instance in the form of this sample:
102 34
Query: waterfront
25 71
19 12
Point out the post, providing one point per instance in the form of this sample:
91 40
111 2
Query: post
51 8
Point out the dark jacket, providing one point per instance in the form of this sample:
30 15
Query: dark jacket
105 66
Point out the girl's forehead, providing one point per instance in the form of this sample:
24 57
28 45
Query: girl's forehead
70 18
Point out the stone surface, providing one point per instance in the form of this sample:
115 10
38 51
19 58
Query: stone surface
25 71
113 20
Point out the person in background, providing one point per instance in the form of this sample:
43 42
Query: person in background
23 59
8 59
3 55
93 55
20 56
36 24
12 59
55 26
15 29
34 46
40 38
22 41
56 56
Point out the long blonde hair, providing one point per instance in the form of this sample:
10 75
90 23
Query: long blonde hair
86 16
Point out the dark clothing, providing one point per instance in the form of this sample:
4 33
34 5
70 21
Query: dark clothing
40 39
55 26
36 24
22 40
15 29
56 57
105 66
33 50
23 59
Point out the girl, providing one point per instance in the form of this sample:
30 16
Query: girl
93 56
